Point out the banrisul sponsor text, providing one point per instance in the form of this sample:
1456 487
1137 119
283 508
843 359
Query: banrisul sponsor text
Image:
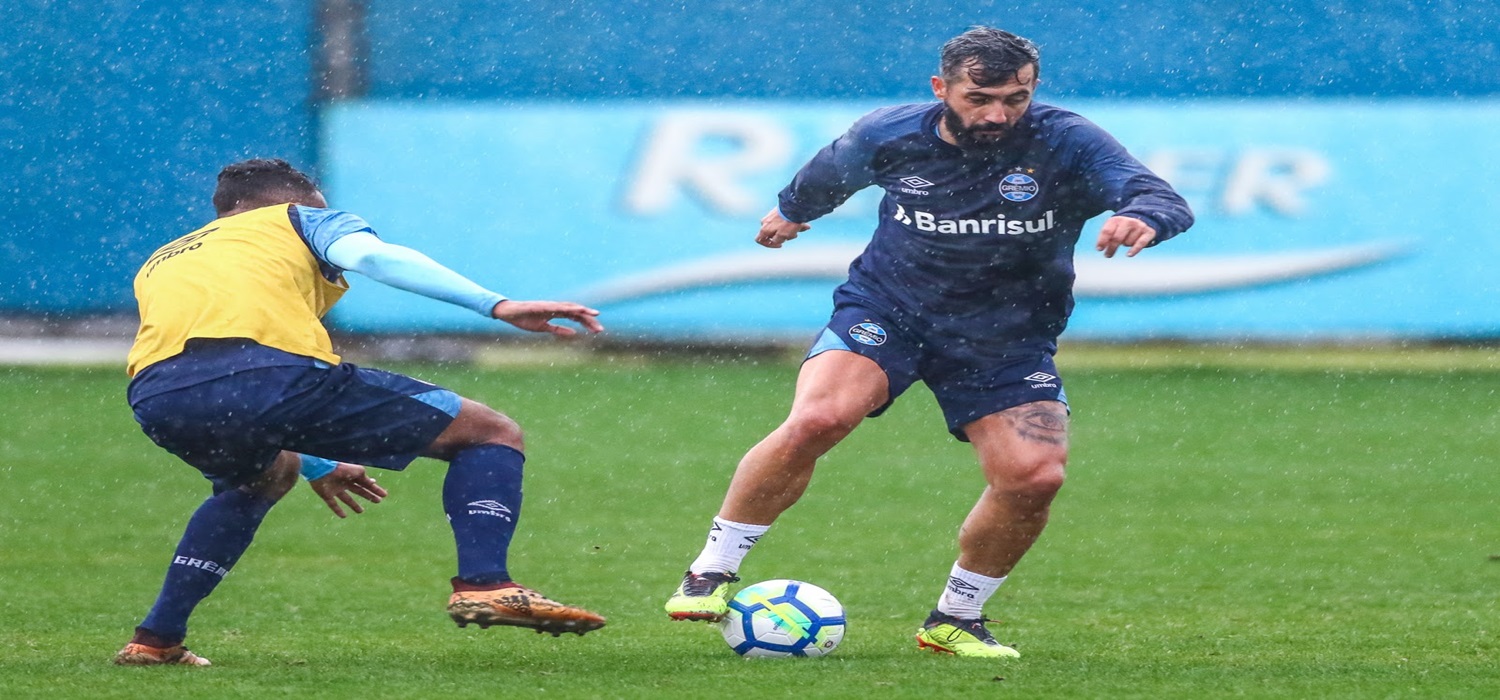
999 225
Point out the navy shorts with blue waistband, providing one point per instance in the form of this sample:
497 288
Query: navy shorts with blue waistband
969 383
229 407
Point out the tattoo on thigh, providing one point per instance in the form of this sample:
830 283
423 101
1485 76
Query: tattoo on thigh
1040 424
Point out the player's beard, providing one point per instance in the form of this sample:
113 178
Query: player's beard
981 139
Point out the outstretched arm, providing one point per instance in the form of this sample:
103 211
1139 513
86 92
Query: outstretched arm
833 175
1147 209
404 268
408 269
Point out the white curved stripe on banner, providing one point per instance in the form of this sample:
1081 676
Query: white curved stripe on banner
1117 277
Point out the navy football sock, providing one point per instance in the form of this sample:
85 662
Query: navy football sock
482 496
216 536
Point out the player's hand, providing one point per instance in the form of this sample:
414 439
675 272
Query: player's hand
775 230
537 316
1124 231
344 483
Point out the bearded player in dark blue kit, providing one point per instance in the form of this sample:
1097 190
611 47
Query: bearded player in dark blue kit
966 285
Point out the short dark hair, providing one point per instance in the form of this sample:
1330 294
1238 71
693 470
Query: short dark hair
988 56
261 182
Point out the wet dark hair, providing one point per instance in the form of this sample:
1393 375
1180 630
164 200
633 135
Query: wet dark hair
261 182
988 56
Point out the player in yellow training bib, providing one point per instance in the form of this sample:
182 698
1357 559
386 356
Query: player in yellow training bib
233 372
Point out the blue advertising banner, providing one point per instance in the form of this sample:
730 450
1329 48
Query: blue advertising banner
1316 220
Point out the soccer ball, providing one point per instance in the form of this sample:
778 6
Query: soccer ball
783 618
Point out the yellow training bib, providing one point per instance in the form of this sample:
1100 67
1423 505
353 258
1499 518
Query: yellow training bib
250 275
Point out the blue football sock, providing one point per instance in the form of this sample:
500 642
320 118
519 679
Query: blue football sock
216 536
482 496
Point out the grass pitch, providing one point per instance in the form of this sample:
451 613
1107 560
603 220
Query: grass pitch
1228 529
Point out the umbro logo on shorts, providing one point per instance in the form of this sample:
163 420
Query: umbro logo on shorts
1041 380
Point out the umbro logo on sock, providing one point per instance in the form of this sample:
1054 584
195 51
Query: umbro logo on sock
489 507
961 587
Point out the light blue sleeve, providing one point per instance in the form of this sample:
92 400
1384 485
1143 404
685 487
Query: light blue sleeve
404 268
321 227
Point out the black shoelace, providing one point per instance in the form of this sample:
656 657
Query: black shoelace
696 586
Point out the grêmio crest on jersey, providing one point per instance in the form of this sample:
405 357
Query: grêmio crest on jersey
1019 186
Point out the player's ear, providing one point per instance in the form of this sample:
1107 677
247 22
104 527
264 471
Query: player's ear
939 87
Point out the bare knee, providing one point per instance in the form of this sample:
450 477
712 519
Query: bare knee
500 429
1035 479
477 424
819 427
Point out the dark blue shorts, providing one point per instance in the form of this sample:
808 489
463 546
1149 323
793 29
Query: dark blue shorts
231 427
969 383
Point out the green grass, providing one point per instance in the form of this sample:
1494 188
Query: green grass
1228 529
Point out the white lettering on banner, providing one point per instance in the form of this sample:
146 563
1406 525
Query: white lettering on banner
1096 277
1192 171
720 158
1277 179
675 160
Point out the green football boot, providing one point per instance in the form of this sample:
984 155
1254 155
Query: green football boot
946 634
701 597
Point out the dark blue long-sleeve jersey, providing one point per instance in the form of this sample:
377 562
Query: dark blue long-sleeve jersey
978 246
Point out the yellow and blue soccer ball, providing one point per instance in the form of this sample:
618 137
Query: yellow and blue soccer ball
783 618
